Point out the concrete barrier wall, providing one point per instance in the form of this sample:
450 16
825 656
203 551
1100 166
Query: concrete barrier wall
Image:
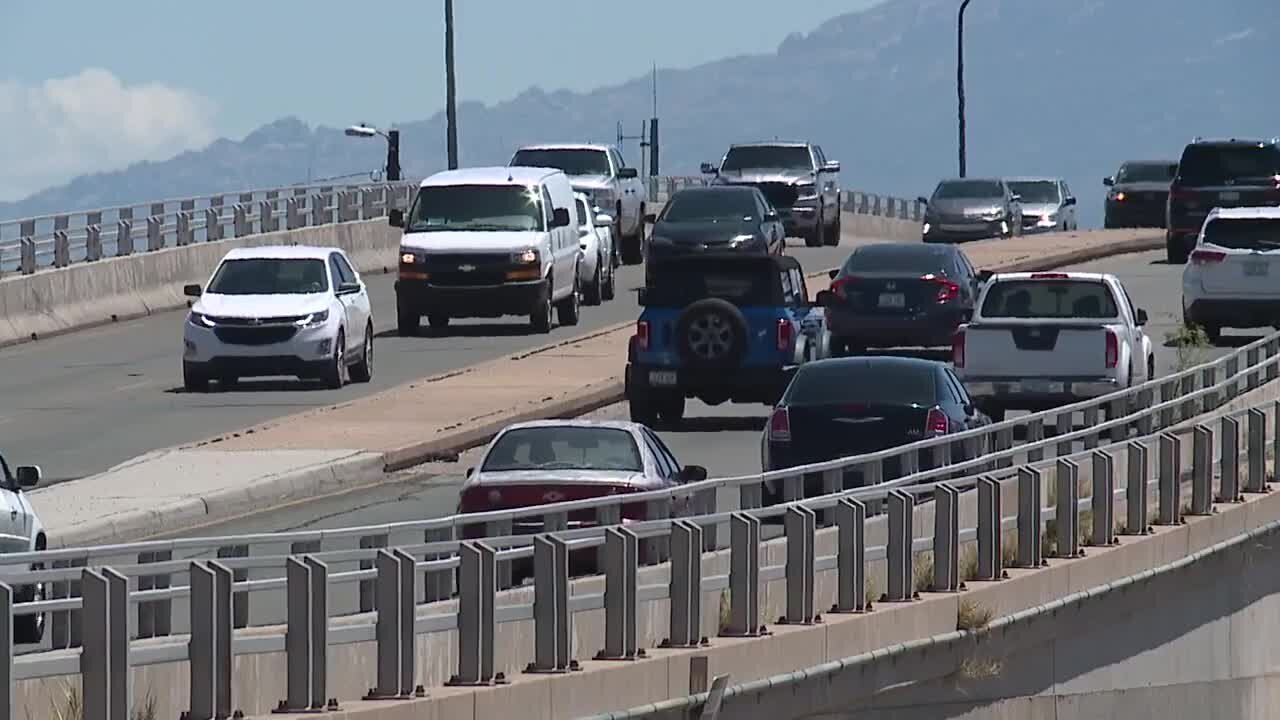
55 301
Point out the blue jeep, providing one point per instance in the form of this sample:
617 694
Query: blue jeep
720 327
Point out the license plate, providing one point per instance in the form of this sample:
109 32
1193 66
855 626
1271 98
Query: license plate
1044 387
1255 269
1229 195
893 300
662 378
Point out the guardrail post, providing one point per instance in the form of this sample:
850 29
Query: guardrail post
222 627
793 488
64 625
1062 426
124 237
61 249
555 522
946 539
319 596
155 233
550 606
210 646
872 475
1202 470
800 526
154 616
620 567
1136 490
1256 481
751 495
1229 487
851 568
706 503
367 209
1170 470
939 456
8 681
93 243
1104 499
298 636
1029 518
1168 391
1035 433
1146 424
95 661
213 222
27 256
293 217
990 535
1275 436
656 550
387 597
1273 366
1253 379
1067 516
240 599
437 584
1115 411
266 216
1004 441
321 214
476 625
685 586
744 577
1233 388
369 542
1091 422
900 556
240 220
186 235
1187 409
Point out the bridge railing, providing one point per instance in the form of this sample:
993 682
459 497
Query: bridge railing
54 241
216 595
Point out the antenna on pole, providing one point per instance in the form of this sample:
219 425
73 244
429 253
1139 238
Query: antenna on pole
653 127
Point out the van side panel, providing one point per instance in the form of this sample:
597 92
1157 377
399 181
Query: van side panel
564 240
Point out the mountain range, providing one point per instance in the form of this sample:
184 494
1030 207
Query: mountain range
1053 88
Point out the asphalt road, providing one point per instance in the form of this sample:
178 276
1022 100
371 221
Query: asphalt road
81 403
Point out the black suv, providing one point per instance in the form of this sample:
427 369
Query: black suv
1223 174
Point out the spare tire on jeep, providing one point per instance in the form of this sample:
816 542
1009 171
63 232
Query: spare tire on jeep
711 333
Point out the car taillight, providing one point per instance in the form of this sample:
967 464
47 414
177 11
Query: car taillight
936 423
957 349
784 334
1207 257
1049 276
642 335
1183 196
780 426
1113 349
947 290
839 285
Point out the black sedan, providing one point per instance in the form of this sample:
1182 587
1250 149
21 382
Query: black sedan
899 295
850 406
1139 193
717 219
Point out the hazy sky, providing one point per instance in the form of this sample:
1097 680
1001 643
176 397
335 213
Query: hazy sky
88 86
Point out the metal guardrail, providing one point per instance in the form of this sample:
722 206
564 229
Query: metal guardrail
56 241
217 591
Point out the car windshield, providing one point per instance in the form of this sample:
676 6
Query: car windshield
1064 299
679 284
1037 192
701 205
1216 164
564 448
570 161
893 257
270 276
1251 234
747 157
862 382
476 207
969 190
1147 172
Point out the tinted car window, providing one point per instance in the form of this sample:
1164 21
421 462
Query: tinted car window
767 156
1211 165
913 259
968 189
710 204
270 276
476 207
1037 191
1147 172
571 161
680 285
1252 234
862 382
564 448
1049 299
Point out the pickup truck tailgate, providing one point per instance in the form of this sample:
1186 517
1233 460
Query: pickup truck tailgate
1035 348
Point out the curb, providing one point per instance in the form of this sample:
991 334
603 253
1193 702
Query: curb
1075 257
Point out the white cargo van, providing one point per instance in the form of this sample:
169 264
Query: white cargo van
487 243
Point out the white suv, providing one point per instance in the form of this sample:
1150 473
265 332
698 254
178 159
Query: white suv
289 310
21 531
1233 279
596 273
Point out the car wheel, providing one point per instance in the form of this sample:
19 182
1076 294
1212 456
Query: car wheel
362 371
194 381
591 295
995 412
438 321
670 407
833 237
814 239
29 629
607 292
1213 332
407 321
569 309
540 317
335 375
1151 367
1175 252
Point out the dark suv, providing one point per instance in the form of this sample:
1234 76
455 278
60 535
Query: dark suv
797 179
720 327
1218 173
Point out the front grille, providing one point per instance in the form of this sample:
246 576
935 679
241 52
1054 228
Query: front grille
264 335
780 195
452 261
462 279
244 321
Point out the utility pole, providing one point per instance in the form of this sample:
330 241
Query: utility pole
960 78
393 155
451 100
653 127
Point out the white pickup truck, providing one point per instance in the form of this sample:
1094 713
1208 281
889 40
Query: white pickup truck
1041 340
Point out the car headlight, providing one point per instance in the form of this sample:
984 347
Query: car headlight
316 319
200 319
742 240
411 258
603 196
525 257
807 191
993 215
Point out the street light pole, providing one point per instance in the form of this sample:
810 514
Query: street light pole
960 78
450 102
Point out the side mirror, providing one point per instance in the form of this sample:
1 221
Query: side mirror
470 471
825 298
395 217
191 290
692 474
1108 181
1069 202
582 246
559 218
628 173
348 288
1142 317
968 408
27 475
771 216
832 166
985 276
922 200
604 220
833 273
708 169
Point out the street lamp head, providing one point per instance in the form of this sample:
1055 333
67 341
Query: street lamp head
361 131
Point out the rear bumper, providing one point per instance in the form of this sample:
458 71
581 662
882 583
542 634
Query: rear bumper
1038 393
1132 215
486 301
1235 313
934 329
741 384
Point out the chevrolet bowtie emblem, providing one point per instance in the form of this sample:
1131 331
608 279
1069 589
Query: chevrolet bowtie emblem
466 268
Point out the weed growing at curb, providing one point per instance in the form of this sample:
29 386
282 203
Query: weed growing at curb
972 615
973 668
969 565
1191 344
923 576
